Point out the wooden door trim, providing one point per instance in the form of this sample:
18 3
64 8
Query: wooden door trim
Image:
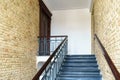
45 9
44 28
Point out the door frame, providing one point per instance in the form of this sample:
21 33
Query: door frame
44 43
47 13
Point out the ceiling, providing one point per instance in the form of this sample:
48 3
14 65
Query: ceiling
67 4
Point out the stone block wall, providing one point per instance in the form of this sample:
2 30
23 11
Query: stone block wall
19 24
107 27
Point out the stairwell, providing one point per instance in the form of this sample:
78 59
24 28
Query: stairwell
79 67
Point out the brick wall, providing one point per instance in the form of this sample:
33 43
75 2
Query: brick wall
18 39
107 27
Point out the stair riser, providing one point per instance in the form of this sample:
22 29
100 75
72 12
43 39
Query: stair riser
80 55
68 70
73 63
80 61
80 76
81 65
79 73
75 67
80 68
79 79
80 58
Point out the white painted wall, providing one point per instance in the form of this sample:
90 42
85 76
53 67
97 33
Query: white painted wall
77 25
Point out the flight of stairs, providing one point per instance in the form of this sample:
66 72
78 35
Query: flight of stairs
79 67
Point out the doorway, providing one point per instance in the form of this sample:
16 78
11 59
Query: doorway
44 29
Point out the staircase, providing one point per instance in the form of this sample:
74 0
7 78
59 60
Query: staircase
79 67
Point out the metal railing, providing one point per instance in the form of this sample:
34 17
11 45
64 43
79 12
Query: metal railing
48 44
51 67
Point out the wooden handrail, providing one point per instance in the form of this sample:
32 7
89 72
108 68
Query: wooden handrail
108 59
36 77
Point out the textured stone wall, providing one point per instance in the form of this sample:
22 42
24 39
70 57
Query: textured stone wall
19 21
107 27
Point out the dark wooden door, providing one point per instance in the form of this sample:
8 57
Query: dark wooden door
45 25
45 28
